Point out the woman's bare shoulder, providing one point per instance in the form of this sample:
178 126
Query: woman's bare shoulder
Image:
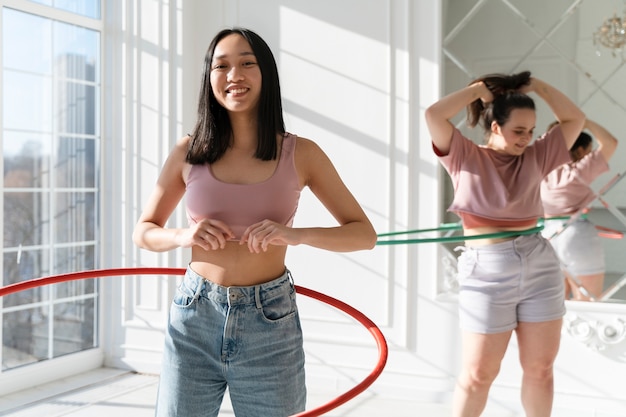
306 146
184 142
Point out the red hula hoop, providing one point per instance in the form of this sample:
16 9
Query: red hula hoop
609 233
340 305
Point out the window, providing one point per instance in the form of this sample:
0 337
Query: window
83 7
50 123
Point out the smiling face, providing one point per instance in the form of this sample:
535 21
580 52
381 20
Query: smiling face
235 75
516 134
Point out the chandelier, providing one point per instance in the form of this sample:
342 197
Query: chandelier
612 35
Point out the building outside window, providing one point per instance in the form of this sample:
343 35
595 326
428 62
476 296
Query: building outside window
50 123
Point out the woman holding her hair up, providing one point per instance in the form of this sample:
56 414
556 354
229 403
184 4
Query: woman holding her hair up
511 283
234 321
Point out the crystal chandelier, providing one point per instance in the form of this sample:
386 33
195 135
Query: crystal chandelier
612 35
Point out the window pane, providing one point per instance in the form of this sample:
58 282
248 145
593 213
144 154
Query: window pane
25 337
20 266
74 259
76 108
26 219
76 163
89 8
27 100
33 51
74 327
74 217
26 159
76 52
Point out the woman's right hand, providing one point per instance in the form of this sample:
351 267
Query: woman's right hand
486 96
438 115
209 234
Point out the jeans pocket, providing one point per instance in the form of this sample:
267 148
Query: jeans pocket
280 307
184 297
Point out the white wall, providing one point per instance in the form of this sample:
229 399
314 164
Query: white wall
356 76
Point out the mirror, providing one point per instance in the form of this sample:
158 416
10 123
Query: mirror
555 41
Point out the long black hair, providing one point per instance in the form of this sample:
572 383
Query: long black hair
506 98
212 134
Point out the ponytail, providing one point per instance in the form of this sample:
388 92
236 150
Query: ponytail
506 97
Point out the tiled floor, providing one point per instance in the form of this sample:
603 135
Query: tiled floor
110 392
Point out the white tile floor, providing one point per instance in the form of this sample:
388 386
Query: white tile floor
110 392
113 392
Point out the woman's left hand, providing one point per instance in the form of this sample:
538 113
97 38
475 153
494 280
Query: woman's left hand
527 88
260 235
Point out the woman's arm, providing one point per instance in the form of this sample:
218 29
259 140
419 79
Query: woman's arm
439 114
607 142
570 117
150 231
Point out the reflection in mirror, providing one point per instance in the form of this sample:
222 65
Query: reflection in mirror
554 40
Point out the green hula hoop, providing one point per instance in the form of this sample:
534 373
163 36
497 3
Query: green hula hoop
452 226
444 226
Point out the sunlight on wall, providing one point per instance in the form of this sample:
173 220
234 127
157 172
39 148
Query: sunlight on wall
352 74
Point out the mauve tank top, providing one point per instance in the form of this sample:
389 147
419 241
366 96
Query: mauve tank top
241 205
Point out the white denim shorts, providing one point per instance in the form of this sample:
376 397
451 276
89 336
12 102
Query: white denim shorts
578 246
500 285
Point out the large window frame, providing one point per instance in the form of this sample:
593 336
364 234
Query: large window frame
53 365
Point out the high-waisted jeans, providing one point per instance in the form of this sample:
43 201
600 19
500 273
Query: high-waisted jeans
248 339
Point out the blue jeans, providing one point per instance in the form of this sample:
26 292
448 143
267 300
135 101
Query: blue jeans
246 338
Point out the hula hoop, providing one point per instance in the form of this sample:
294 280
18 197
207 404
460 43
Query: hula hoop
603 231
460 238
442 227
340 305
609 233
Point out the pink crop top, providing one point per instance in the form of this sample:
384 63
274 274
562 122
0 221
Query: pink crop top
494 189
241 205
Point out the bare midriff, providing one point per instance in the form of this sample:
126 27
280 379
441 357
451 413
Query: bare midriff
235 265
474 225
484 230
